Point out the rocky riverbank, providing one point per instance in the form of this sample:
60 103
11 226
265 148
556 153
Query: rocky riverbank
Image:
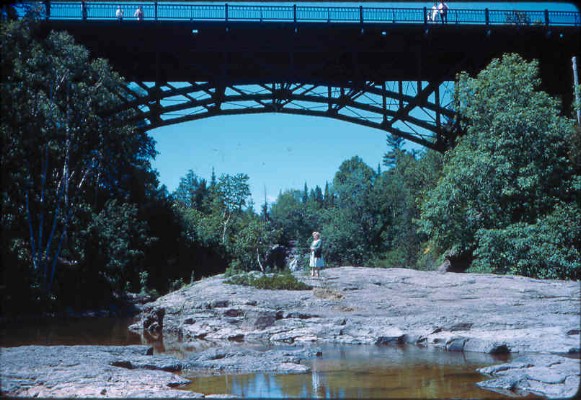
352 305
537 321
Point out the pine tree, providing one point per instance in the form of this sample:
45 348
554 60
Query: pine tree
395 145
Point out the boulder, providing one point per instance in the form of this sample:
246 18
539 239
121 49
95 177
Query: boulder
152 319
276 256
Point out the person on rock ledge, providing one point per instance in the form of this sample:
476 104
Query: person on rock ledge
316 261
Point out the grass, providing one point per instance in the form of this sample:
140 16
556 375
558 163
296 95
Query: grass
279 281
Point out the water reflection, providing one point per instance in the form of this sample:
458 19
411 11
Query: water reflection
69 331
341 372
364 372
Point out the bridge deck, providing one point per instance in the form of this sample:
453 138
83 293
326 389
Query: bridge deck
168 11
277 51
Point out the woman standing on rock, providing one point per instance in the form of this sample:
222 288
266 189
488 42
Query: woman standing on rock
316 262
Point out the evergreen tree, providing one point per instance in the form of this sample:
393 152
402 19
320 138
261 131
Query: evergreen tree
395 146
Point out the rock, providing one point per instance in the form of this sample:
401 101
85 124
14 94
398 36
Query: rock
486 346
233 313
456 344
413 339
276 256
152 319
499 349
219 304
245 360
259 319
463 326
389 340
546 375
300 315
89 371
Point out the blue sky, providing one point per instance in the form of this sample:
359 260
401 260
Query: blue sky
277 151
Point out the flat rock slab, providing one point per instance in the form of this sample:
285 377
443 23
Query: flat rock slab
355 305
478 312
240 360
546 375
87 371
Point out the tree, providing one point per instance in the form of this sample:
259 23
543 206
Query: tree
549 248
288 215
251 243
395 146
511 167
192 192
234 192
351 227
63 153
396 194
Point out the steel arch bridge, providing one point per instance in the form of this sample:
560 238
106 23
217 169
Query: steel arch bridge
385 68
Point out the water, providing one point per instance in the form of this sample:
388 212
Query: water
341 372
70 332
364 372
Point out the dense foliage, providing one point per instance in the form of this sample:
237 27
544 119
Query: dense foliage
64 162
508 188
214 215
366 216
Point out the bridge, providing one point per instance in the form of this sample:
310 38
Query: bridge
387 68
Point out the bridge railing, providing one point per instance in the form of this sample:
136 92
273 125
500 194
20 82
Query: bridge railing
299 13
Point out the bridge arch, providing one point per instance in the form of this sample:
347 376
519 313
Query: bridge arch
416 111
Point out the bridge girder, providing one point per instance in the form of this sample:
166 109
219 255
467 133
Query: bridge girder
417 111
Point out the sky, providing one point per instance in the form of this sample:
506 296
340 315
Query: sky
277 151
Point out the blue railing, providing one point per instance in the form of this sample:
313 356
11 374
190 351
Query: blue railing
160 11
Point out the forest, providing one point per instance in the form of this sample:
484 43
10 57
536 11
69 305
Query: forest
85 221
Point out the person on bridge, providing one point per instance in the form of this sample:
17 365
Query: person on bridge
434 14
316 262
443 9
84 10
47 9
119 13
139 13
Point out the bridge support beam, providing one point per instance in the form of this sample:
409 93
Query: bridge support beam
414 111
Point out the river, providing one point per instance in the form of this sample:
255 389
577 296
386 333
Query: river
342 371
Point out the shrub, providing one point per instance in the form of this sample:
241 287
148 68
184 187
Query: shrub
547 249
282 281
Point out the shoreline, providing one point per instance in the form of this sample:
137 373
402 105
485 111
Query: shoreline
536 322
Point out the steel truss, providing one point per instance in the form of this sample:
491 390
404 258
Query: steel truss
420 112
